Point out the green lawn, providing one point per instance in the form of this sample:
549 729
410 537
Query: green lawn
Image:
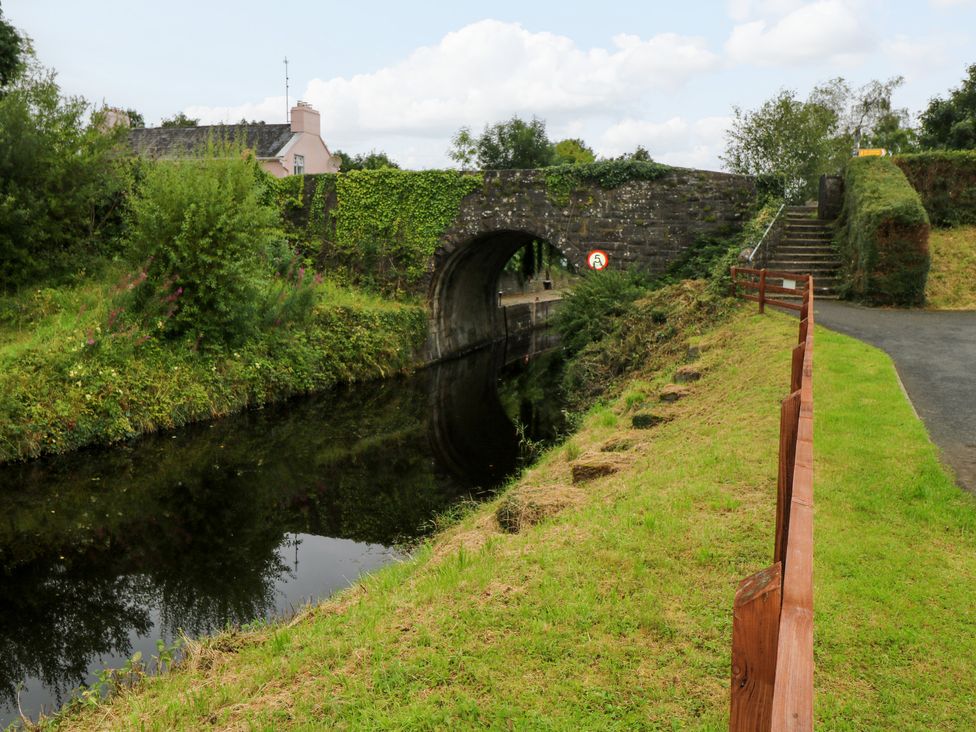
615 611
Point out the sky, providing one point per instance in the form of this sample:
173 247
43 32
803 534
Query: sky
403 77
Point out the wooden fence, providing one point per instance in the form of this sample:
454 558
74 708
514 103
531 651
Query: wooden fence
761 281
772 622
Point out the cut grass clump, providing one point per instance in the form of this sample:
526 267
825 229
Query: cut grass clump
952 280
615 612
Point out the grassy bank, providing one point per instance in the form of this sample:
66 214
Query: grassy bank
610 607
70 376
952 280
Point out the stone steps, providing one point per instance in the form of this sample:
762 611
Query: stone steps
806 248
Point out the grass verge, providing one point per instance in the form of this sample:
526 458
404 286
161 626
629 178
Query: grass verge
68 379
952 279
612 609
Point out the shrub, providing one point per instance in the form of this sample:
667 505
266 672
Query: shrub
562 180
653 331
203 232
592 305
62 182
946 181
883 234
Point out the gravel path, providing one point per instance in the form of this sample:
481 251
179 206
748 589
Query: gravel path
935 355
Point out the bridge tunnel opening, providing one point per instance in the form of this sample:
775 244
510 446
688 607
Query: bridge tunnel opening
476 281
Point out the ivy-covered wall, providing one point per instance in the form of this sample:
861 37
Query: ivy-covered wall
883 234
377 228
946 181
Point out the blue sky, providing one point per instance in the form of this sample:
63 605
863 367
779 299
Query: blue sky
403 76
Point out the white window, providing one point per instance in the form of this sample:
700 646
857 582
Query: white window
299 167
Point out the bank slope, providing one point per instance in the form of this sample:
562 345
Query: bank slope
68 379
611 607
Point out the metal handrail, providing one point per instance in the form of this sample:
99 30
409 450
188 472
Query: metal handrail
765 233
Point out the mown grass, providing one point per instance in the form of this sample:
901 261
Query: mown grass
70 376
615 612
952 279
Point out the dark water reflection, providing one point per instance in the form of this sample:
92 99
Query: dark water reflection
105 551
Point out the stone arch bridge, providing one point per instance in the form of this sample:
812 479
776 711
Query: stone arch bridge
647 224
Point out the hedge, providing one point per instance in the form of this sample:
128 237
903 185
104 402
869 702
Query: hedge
946 181
883 234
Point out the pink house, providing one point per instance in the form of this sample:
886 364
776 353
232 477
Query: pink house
282 149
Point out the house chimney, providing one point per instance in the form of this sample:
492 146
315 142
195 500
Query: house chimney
305 119
114 117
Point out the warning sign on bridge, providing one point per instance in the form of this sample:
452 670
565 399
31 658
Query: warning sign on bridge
597 259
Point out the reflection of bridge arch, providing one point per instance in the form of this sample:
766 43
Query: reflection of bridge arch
463 292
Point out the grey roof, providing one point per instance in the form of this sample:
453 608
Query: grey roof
169 142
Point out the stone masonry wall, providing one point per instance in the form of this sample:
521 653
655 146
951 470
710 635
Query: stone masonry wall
648 224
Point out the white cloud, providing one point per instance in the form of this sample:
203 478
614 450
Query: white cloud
916 54
483 73
741 10
675 141
823 31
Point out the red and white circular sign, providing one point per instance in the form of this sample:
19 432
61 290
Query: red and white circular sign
597 259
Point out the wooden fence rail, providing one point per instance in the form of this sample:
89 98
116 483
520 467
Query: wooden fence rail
772 619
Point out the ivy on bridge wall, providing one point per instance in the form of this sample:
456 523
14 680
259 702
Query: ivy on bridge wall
374 227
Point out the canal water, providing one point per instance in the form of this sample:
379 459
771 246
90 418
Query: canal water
105 551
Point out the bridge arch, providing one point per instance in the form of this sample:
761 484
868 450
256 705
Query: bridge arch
463 292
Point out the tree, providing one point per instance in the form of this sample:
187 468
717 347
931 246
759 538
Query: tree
179 120
464 148
11 52
136 120
785 138
372 160
505 145
572 151
641 155
950 124
63 179
796 141
865 116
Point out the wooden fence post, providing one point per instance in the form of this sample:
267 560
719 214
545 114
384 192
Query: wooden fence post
762 290
735 271
755 636
789 420
796 374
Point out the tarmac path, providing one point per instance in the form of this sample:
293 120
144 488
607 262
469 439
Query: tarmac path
935 356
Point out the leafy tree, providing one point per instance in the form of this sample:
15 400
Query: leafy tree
62 181
504 146
11 52
865 115
179 120
572 151
785 138
136 119
640 154
372 160
203 230
464 148
796 141
950 124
